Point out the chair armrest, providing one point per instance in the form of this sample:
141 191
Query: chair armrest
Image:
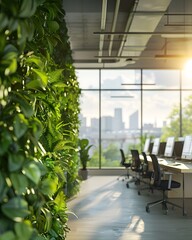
170 178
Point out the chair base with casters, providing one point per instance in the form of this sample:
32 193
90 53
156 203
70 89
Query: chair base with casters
164 202
134 179
123 177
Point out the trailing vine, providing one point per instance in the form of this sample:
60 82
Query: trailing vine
39 106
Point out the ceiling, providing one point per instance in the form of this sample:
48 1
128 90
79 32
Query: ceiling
129 34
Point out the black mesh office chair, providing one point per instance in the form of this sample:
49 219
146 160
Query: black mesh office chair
135 167
163 185
146 174
125 164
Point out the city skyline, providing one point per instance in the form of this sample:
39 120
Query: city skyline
115 122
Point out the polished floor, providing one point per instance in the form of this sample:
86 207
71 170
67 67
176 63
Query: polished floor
105 209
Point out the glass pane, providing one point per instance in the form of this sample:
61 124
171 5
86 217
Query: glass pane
89 120
120 79
160 108
88 79
186 113
161 79
120 125
186 80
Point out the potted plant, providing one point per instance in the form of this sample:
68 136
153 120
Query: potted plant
84 157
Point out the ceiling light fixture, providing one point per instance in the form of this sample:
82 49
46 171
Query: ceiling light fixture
122 96
138 84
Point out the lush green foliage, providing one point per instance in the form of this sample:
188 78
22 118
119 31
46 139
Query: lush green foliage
38 120
84 148
173 129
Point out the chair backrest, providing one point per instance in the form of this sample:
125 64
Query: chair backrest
145 163
136 161
156 170
122 157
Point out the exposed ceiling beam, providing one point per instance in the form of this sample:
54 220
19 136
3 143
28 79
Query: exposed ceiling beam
144 33
114 25
103 23
127 27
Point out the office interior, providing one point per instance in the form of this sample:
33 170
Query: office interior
131 61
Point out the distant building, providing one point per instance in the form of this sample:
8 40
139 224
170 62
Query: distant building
95 124
107 123
134 120
117 120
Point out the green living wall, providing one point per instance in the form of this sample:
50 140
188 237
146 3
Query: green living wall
39 106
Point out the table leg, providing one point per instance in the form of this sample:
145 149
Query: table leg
184 195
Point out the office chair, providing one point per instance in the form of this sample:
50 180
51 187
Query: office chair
124 164
163 185
135 167
145 174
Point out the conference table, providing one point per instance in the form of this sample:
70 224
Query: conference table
182 172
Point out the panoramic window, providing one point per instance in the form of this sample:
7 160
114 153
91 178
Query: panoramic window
121 107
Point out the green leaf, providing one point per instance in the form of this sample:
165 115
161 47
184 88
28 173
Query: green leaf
59 85
43 77
15 209
15 161
49 186
20 125
9 235
36 60
55 75
25 106
59 201
33 172
23 230
28 8
19 182
37 128
48 219
53 26
25 31
34 84
12 67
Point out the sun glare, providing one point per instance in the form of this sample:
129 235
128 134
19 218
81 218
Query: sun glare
188 68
